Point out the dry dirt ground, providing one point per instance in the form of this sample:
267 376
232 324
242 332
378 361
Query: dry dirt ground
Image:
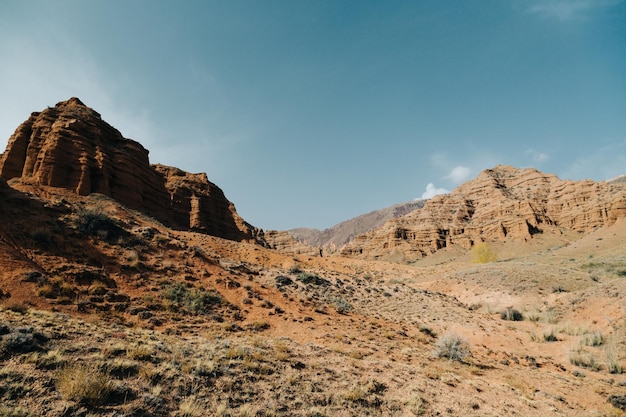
107 312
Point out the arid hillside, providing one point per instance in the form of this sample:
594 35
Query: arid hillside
112 307
501 204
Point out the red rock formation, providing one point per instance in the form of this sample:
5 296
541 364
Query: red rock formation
70 146
501 203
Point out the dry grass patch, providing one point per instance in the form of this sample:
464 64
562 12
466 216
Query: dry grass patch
82 383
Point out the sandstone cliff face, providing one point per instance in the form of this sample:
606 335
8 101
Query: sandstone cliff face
501 203
70 146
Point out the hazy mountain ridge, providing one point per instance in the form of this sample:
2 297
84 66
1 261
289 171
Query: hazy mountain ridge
341 233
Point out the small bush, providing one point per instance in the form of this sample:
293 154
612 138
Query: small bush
83 383
94 222
584 360
195 301
550 337
511 314
451 346
482 254
308 278
342 306
282 280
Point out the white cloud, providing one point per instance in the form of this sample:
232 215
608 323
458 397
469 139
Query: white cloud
459 174
432 191
537 156
565 10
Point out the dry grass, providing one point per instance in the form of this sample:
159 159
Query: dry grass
83 383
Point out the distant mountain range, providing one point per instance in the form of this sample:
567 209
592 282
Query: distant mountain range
342 233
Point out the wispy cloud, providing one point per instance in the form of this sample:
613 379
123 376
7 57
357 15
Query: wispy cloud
537 156
432 191
604 163
459 174
565 10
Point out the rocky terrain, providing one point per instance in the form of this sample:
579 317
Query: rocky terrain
503 203
119 303
69 146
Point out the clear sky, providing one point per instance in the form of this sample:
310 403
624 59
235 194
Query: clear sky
310 112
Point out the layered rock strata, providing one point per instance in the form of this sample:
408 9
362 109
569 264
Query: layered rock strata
69 146
501 203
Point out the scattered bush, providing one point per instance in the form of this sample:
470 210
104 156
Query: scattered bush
309 278
94 222
584 360
593 339
195 301
511 314
482 254
451 346
57 288
618 401
550 337
282 280
342 306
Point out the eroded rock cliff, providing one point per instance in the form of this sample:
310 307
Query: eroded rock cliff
501 203
70 146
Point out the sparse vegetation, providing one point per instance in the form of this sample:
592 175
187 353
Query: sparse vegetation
197 301
95 222
452 347
511 314
84 383
482 253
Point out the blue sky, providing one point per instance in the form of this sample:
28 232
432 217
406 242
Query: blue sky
307 113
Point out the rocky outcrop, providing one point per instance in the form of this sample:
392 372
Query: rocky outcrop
501 203
202 205
69 146
283 241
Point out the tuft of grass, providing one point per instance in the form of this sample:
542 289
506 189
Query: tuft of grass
550 336
191 407
611 350
452 347
584 360
595 338
511 314
82 383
